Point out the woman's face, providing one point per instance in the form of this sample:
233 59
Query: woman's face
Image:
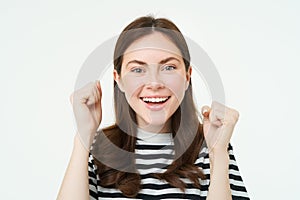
154 80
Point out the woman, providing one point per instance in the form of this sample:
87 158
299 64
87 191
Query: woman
157 149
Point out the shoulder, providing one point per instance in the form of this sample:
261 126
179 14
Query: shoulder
237 186
91 163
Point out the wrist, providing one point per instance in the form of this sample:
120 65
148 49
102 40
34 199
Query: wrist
219 157
79 143
219 152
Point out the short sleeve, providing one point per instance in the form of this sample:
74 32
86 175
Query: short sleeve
238 189
92 176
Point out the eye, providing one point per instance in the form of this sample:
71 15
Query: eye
137 70
169 67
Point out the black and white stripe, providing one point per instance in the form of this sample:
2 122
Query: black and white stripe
152 158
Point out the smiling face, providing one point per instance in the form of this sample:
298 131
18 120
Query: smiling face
154 79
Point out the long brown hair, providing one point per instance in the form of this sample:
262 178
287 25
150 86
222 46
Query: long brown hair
185 126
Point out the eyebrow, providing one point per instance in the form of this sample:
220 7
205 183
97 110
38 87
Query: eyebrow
161 62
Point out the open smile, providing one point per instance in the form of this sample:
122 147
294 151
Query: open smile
155 103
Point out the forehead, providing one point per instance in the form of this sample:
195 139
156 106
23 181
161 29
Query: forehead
155 45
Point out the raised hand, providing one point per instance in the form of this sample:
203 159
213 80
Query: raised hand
87 109
218 124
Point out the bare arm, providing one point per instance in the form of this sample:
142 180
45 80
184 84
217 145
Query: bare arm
219 176
75 183
218 125
86 103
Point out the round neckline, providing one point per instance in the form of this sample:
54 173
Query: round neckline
153 137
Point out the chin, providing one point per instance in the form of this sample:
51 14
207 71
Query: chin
155 121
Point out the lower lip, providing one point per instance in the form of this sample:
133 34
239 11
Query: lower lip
156 107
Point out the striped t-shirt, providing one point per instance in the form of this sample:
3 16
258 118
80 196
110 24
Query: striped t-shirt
153 152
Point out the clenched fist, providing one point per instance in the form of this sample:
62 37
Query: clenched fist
218 125
87 109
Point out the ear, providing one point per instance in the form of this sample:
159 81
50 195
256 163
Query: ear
188 77
117 78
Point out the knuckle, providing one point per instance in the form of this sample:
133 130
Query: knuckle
235 113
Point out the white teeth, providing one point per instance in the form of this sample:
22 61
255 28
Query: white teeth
155 99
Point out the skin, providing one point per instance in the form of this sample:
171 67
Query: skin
218 125
218 122
143 74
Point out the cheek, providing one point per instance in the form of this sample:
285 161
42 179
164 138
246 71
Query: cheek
132 86
176 83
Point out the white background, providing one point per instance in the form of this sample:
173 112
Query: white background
43 44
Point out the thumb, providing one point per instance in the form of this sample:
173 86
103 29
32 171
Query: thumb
206 124
205 112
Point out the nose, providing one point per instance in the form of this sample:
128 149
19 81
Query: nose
154 82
